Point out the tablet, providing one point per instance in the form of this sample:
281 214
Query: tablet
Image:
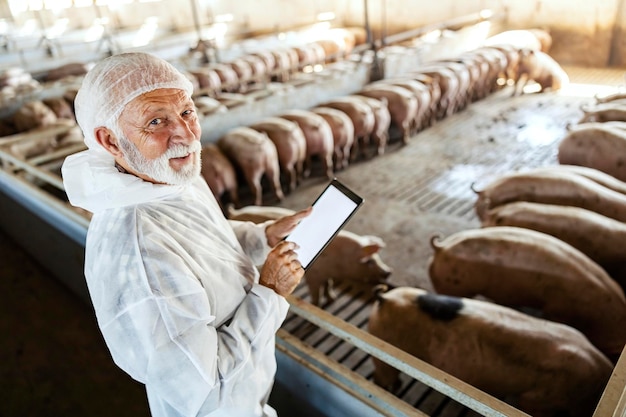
331 210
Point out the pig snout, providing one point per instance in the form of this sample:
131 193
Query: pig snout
376 271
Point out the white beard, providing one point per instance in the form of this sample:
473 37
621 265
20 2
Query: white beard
159 169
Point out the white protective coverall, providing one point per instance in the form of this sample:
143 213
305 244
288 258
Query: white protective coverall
175 288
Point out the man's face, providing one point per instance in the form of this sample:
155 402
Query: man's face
160 137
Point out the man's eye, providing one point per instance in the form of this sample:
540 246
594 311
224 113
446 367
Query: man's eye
155 122
188 112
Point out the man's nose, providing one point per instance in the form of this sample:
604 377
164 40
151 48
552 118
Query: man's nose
183 131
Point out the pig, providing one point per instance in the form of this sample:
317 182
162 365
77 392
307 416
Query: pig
448 85
594 175
613 97
348 257
219 173
597 236
382 121
208 105
534 39
269 61
541 68
209 81
244 73
229 81
401 102
255 155
552 187
520 267
61 108
434 95
290 144
613 111
319 139
343 134
502 61
72 69
541 367
362 118
32 115
597 146
283 65
463 76
258 68
421 92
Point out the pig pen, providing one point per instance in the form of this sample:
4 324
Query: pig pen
423 189
411 193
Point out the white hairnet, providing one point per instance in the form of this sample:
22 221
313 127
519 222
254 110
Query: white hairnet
117 80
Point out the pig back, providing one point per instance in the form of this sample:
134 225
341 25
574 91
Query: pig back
316 130
341 125
286 136
597 146
246 145
401 102
360 114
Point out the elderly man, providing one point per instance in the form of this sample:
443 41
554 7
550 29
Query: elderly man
175 286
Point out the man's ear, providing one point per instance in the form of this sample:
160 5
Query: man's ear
107 140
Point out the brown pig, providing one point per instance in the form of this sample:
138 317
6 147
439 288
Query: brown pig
551 187
595 145
542 367
519 267
343 134
402 105
348 257
32 115
319 139
290 144
595 175
599 237
255 155
362 118
382 121
613 111
541 68
219 173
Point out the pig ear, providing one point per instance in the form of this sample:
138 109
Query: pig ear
369 250
374 240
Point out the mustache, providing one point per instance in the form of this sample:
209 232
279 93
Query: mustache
179 150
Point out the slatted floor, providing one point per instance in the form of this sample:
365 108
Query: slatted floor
415 190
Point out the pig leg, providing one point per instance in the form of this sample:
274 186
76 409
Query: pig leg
307 167
329 290
234 197
314 289
345 156
274 178
405 132
386 376
292 176
254 182
381 142
339 159
327 163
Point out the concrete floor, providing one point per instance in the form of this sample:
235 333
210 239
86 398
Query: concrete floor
55 362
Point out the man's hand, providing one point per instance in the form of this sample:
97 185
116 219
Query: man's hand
278 230
282 271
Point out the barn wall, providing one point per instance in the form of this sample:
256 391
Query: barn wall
584 32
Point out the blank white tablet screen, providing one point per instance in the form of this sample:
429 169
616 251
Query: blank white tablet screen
330 211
